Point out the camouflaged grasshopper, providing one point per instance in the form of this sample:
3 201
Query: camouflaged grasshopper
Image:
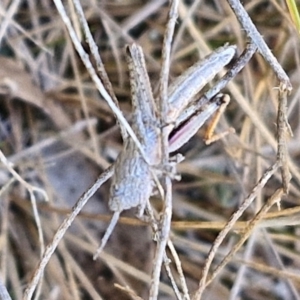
132 182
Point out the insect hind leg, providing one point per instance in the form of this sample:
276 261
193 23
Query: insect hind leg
210 135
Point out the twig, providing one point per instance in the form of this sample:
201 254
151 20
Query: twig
257 39
283 130
99 64
31 190
61 231
264 179
248 230
179 270
86 61
164 109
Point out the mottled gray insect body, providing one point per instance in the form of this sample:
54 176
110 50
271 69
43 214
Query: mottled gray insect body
191 82
133 182
131 185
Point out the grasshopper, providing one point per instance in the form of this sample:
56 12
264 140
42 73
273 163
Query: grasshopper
132 183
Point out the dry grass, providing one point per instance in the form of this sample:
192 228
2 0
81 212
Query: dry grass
60 134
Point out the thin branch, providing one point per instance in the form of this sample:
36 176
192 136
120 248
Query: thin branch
283 129
164 108
62 229
86 61
257 39
221 236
